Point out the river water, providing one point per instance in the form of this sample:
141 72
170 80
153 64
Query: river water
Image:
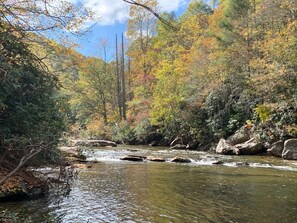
122 191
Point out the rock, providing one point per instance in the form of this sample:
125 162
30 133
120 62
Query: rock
155 159
276 149
94 143
225 148
22 186
154 143
250 147
134 158
218 162
133 150
242 164
240 136
180 160
176 141
290 149
192 145
178 146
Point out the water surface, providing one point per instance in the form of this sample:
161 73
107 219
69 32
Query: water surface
121 191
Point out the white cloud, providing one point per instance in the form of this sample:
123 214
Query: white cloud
116 11
171 5
109 11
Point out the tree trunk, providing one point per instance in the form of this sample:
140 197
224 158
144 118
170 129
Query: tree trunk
123 80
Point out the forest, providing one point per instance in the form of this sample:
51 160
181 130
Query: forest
199 77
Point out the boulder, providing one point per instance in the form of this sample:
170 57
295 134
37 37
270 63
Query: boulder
180 160
134 158
225 148
290 149
22 186
240 136
219 162
156 159
176 141
276 148
178 146
94 143
250 147
192 145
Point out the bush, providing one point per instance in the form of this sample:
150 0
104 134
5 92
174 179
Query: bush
123 133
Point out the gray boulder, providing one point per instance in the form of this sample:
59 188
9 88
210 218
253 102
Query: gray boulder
240 136
290 149
276 149
225 148
250 147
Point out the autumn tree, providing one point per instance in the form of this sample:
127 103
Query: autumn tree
141 29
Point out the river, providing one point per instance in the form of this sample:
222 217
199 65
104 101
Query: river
122 191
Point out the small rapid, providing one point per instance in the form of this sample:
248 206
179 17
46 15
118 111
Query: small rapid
197 157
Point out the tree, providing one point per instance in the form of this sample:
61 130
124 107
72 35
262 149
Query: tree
30 121
94 91
141 28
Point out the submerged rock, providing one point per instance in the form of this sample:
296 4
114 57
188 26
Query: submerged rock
276 148
133 150
133 158
180 160
155 159
219 162
290 149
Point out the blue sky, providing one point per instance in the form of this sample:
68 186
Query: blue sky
113 20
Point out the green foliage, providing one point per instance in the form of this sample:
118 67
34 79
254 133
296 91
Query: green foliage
229 106
143 130
123 133
263 112
29 110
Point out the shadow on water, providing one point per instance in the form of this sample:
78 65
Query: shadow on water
120 191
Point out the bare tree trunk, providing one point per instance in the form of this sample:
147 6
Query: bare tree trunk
129 80
118 80
123 80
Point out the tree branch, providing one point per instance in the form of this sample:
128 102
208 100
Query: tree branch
164 21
